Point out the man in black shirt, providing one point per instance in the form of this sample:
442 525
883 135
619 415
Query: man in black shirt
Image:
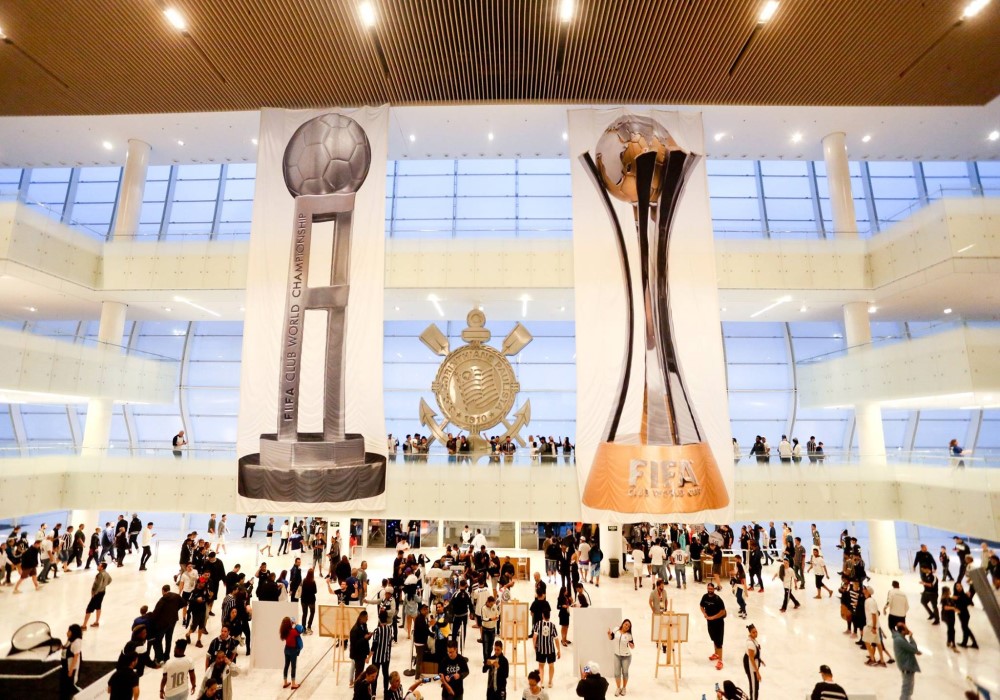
249 525
826 689
421 632
461 604
134 528
592 685
714 610
162 621
930 595
498 668
539 608
963 550
924 560
453 669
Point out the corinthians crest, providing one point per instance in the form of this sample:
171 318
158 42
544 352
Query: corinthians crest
475 386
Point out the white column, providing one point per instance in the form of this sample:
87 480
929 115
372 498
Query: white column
132 188
838 178
611 545
97 428
88 518
883 556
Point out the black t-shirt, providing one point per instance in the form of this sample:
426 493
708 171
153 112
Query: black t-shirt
449 667
121 684
461 603
713 605
538 610
29 560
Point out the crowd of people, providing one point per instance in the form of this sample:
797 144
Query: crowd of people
417 444
439 602
788 452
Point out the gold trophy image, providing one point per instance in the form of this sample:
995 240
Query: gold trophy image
664 465
325 163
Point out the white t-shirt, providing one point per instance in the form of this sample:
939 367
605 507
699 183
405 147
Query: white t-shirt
286 531
656 555
478 541
584 550
74 648
541 695
819 566
871 608
178 672
897 603
147 537
466 536
188 580
679 556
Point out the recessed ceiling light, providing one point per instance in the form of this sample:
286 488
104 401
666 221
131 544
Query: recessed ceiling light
396 308
367 11
32 309
175 18
796 137
566 10
947 311
973 8
994 135
866 138
565 136
107 145
872 309
179 142
803 308
562 308
413 137
490 136
719 136
767 12
253 141
243 308
166 308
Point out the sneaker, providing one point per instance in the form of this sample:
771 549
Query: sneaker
623 691
618 691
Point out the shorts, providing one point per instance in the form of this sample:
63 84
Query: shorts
868 636
96 602
636 570
819 580
716 569
545 658
28 573
717 632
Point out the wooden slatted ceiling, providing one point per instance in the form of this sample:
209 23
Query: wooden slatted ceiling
121 56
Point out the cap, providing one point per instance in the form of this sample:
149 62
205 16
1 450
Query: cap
825 669
592 667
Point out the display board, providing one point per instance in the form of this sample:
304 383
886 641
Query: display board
514 624
590 637
268 648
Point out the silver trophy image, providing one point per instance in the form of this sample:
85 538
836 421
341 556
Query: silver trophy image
325 164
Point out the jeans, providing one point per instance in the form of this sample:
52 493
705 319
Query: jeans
740 601
283 546
621 666
681 573
755 573
906 692
291 660
458 629
489 636
308 614
46 568
147 553
163 644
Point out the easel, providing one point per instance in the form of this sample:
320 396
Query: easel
669 631
336 621
514 628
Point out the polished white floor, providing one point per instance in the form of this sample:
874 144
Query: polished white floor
794 644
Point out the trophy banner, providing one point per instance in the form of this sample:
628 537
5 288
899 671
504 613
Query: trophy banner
311 432
653 430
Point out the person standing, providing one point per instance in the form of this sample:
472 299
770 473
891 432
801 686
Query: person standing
177 672
962 549
545 638
29 565
498 669
942 557
963 602
163 620
906 651
817 564
134 528
826 689
284 534
623 646
97 590
948 612
178 442
896 606
381 648
291 635
752 662
453 669
870 635
564 603
490 615
787 576
147 546
679 559
799 562
220 535
249 525
924 559
360 643
930 595
714 611
638 557
269 538
658 602
70 667
307 594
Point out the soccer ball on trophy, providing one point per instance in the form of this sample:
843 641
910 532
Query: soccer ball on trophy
327 155
618 147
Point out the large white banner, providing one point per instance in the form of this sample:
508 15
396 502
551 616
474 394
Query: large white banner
286 349
647 482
